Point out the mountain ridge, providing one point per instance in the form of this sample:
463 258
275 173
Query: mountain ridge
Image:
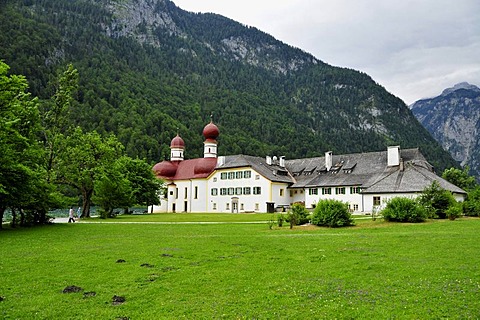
453 118
149 70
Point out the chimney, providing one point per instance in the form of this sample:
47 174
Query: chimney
328 160
282 161
220 161
393 156
402 165
268 160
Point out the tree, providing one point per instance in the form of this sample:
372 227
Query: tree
84 158
460 178
436 200
21 175
145 186
55 115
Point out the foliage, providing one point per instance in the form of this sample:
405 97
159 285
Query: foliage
454 211
460 178
297 215
332 213
471 206
402 209
125 183
436 200
84 158
22 179
144 92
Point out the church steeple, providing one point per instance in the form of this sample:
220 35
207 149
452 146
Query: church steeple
210 133
177 149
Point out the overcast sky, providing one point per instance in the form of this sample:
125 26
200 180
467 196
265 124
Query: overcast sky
415 49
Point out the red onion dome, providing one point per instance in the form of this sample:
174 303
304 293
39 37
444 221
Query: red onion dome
177 142
211 132
165 169
205 165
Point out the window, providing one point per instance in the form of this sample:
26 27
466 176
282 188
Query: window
214 206
231 175
257 207
239 175
171 193
242 207
376 201
340 190
238 191
257 190
354 190
247 190
223 191
281 192
196 192
215 179
214 191
247 174
291 193
326 190
231 191
355 207
223 176
313 191
176 193
257 177
227 206
186 191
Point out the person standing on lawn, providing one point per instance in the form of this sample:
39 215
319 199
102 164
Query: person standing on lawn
70 215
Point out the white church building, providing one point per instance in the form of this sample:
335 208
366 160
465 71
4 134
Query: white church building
242 183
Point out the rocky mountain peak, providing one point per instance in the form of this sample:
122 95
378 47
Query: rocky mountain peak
461 85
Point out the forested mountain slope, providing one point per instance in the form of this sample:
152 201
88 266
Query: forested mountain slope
149 70
453 118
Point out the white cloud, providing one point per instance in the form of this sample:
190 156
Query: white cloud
413 48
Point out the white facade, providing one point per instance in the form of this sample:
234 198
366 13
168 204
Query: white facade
242 184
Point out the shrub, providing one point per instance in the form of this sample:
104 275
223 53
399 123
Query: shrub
454 211
401 209
332 213
471 206
436 200
297 215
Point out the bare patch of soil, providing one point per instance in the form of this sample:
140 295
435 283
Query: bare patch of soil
72 289
116 300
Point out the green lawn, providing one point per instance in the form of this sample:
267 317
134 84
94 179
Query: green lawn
375 270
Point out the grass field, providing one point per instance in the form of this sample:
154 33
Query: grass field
375 270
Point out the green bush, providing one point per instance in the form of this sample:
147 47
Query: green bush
332 213
297 215
471 206
454 211
436 200
401 209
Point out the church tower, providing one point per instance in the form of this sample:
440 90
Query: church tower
210 133
177 149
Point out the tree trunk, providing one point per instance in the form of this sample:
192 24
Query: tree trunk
22 217
2 211
14 218
87 200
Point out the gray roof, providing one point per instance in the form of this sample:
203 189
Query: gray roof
367 170
272 172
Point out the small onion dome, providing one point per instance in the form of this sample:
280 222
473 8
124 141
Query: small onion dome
211 132
177 142
205 166
165 169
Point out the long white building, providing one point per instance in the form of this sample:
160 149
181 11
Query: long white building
242 183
